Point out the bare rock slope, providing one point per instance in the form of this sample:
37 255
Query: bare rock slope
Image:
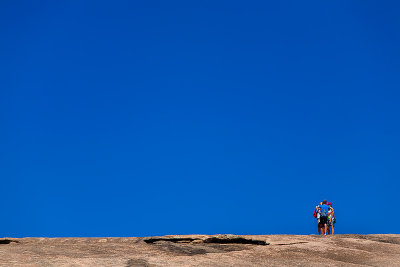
204 250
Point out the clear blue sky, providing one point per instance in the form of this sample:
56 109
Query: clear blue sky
136 118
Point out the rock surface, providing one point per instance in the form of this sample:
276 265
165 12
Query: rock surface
204 250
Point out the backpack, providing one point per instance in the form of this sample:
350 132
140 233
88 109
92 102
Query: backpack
315 213
333 219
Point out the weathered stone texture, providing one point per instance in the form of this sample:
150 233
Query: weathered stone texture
203 250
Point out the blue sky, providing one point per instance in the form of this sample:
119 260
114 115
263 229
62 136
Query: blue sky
137 118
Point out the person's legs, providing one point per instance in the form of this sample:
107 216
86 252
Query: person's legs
328 230
333 230
324 222
320 228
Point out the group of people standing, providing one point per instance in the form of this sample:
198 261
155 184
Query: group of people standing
325 217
